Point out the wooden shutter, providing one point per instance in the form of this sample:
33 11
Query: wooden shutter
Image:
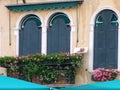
105 41
30 38
58 37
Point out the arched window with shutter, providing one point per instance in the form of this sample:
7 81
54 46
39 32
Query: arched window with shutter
58 34
30 35
106 40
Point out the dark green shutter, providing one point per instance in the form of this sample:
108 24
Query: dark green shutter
58 37
30 38
106 40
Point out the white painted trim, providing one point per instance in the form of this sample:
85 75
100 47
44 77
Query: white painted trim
91 38
44 40
47 19
18 24
71 38
0 40
16 33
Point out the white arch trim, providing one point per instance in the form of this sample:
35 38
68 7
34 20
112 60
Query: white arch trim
16 30
57 11
0 39
91 38
46 24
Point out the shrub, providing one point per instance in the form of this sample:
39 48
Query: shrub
47 67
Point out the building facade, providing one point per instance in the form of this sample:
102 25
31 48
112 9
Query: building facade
54 26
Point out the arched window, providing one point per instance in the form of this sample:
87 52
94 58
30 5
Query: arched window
106 40
58 34
30 35
31 17
59 15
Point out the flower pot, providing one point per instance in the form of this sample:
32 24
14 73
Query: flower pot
61 80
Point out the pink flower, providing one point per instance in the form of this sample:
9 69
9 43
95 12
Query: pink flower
97 74
103 79
35 59
102 74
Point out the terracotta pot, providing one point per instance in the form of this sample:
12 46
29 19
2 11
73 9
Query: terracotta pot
62 80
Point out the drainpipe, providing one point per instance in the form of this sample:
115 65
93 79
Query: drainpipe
17 1
9 28
24 1
77 22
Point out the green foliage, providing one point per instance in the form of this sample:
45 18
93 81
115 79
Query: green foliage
48 67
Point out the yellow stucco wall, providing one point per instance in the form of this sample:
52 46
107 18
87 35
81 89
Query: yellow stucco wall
85 13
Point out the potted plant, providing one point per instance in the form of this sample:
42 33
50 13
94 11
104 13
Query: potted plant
102 74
